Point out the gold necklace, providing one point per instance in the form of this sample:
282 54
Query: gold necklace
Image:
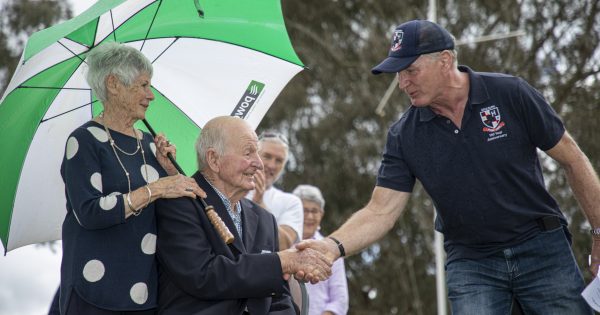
114 147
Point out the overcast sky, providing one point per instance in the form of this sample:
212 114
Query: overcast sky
29 275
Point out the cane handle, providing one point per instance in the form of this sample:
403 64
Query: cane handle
219 225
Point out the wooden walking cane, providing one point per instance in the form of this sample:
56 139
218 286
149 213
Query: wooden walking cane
213 216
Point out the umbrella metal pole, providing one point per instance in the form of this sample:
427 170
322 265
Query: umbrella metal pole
213 216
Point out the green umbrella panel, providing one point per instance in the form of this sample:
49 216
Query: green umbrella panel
231 58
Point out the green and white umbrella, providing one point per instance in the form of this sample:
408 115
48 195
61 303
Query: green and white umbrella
210 57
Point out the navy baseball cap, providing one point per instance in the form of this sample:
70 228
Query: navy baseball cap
412 39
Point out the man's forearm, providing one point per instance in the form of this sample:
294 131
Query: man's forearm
581 176
586 187
287 237
364 228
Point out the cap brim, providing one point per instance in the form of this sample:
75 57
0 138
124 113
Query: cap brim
394 64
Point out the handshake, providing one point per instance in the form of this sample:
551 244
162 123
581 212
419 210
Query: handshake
310 260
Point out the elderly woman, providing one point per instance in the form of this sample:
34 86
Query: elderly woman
113 173
330 296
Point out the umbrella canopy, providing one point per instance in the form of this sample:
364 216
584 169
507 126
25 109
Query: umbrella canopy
210 58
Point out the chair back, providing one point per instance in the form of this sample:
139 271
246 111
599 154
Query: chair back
299 295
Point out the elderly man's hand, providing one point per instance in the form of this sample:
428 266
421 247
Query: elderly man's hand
313 265
326 246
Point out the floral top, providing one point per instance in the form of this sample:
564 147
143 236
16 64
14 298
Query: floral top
108 260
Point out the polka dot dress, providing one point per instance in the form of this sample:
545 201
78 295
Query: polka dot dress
108 260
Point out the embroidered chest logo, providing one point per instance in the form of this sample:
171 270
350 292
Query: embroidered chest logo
492 122
397 40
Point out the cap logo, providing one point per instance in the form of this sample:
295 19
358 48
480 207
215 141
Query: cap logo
397 40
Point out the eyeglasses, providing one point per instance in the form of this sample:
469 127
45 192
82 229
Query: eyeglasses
271 134
312 211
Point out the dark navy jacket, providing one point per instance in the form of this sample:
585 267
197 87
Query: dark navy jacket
200 274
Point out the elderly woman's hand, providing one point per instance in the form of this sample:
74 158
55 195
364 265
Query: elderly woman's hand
176 186
163 147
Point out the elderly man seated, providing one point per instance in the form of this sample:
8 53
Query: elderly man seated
198 272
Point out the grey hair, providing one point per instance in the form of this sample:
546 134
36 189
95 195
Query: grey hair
436 55
278 141
310 193
122 61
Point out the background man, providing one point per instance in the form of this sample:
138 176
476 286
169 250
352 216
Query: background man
273 149
471 139
198 272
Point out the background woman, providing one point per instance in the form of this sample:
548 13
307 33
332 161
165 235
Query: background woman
330 296
113 173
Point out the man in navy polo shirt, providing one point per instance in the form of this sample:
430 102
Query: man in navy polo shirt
471 139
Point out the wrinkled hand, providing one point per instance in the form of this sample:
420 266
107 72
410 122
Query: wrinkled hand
595 261
325 246
163 146
177 186
314 265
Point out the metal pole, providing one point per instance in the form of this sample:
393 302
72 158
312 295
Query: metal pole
432 11
440 272
388 93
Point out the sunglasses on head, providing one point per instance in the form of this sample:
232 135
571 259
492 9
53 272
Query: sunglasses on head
270 134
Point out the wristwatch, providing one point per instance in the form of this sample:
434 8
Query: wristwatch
595 231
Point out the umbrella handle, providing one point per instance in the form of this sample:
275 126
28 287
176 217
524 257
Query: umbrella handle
199 8
213 216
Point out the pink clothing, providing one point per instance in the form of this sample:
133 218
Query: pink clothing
331 294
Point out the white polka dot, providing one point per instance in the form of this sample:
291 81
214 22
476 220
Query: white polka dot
72 147
149 244
139 293
153 148
93 270
96 181
152 173
98 133
108 202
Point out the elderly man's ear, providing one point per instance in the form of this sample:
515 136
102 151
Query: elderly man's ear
212 159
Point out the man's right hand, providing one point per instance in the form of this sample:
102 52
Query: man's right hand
260 186
313 265
326 246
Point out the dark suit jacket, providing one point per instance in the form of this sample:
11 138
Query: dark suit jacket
200 274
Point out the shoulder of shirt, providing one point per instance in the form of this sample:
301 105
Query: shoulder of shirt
409 114
282 193
82 131
490 77
495 78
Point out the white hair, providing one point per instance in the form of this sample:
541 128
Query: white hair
275 137
209 137
310 193
122 61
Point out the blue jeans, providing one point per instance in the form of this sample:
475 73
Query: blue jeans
541 273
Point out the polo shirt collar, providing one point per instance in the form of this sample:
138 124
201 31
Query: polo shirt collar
477 94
